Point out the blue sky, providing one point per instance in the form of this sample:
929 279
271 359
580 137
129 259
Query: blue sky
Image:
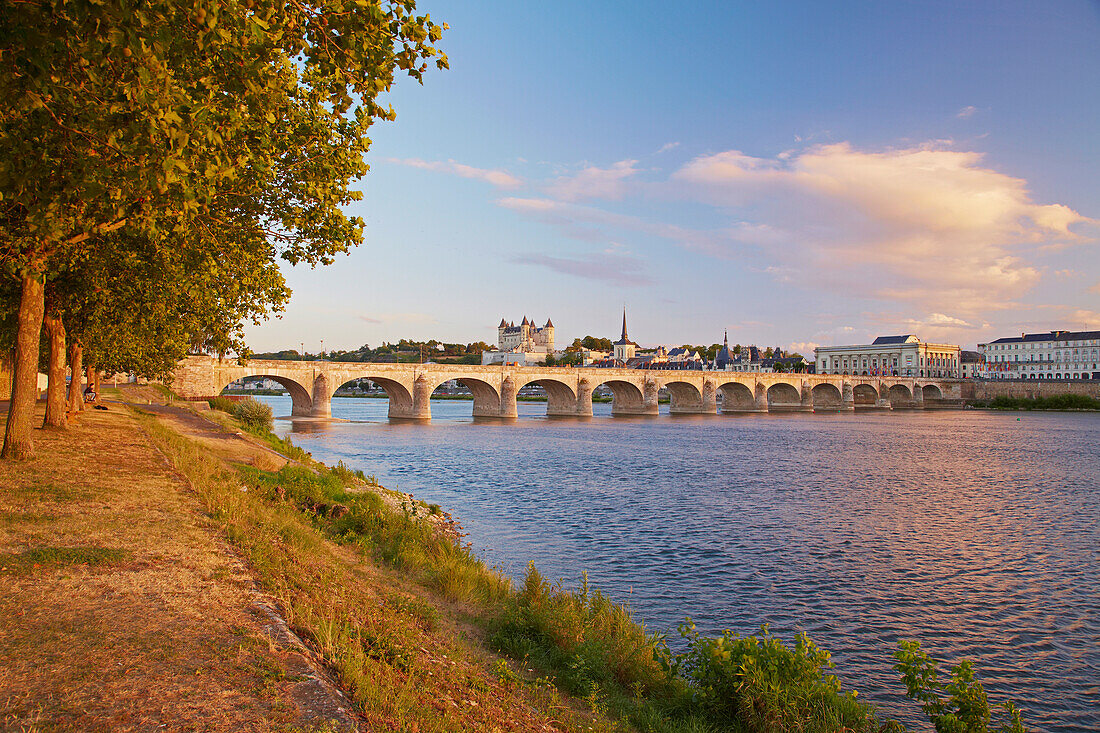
801 173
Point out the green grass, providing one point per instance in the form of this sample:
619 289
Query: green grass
46 558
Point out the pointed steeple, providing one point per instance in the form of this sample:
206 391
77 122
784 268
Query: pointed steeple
549 323
503 323
525 322
725 338
624 339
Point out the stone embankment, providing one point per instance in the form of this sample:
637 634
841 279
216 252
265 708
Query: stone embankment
980 389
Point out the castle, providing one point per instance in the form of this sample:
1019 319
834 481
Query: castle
526 337
522 344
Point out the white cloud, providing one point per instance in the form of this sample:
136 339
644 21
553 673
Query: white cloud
495 176
594 183
967 111
806 348
667 147
925 224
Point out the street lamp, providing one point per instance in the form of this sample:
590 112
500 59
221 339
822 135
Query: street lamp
302 355
322 349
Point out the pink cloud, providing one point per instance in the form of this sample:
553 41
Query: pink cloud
494 176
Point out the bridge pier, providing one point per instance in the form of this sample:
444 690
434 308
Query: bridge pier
508 392
847 398
321 406
760 398
806 398
584 398
918 397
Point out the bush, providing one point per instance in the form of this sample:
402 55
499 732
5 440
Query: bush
960 705
760 684
1057 402
254 416
222 403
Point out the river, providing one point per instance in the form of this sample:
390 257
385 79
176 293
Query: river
976 533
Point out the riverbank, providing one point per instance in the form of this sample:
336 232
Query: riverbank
142 565
366 594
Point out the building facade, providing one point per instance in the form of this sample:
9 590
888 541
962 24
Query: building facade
1053 355
892 356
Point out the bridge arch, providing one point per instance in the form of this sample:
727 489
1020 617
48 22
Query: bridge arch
826 397
301 398
737 397
561 398
931 392
401 399
684 397
486 396
627 398
784 396
865 395
900 396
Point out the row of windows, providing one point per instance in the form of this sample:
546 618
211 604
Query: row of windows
1042 345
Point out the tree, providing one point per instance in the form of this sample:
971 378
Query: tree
170 120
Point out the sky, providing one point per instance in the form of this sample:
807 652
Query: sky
799 173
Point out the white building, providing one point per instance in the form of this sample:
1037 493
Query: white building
1054 355
891 356
522 344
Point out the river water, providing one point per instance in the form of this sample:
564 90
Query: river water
976 533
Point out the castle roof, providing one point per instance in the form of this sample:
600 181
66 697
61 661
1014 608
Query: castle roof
549 323
503 323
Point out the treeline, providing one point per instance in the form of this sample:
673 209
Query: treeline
404 350
158 164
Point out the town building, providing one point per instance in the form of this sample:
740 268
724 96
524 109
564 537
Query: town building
1053 355
748 358
970 362
893 356
522 344
625 349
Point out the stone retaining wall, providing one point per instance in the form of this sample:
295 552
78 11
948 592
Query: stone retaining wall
1026 388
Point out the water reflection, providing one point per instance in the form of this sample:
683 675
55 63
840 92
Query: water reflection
972 532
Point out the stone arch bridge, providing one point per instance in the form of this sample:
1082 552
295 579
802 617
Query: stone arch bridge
311 385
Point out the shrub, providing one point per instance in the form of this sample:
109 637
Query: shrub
760 684
222 403
255 416
960 705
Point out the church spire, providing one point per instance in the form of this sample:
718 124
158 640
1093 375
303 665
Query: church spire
624 338
725 338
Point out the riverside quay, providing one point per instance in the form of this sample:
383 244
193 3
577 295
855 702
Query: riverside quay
311 385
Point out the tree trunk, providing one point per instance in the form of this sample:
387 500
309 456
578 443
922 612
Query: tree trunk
76 395
93 379
24 392
55 392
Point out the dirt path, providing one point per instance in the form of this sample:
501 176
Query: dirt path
120 607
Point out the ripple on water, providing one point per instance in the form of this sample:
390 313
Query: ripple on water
973 532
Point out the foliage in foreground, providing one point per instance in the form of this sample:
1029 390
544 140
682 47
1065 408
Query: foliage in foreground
764 685
959 705
255 416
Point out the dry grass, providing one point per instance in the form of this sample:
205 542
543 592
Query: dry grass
400 651
121 608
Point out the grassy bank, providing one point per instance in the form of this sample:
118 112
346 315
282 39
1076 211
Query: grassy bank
1056 402
575 654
